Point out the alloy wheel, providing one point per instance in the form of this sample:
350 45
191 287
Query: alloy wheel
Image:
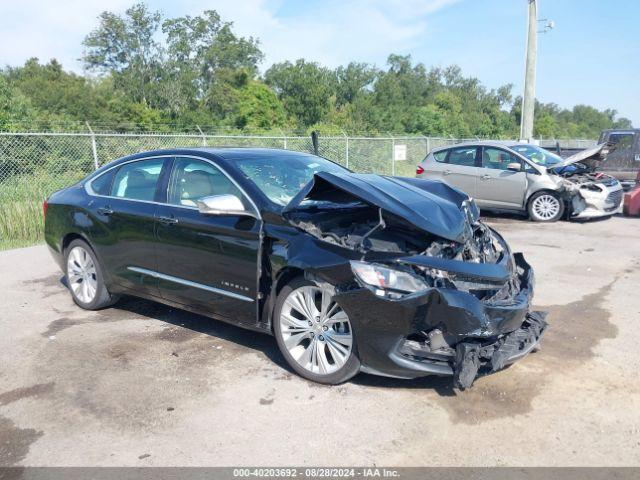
81 275
546 207
315 330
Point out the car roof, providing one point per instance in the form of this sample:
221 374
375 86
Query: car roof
485 143
227 154
622 130
232 153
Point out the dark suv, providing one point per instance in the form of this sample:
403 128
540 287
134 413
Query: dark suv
624 161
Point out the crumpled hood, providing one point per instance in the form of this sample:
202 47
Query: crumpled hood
589 156
430 205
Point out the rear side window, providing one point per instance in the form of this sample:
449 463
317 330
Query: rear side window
102 185
441 156
137 180
465 156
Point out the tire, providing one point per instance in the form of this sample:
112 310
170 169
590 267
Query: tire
545 207
84 277
317 346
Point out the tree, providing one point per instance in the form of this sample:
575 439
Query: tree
304 87
207 44
352 81
259 108
50 88
206 64
195 70
16 111
125 47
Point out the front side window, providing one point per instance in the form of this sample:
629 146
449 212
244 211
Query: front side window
464 156
192 180
497 158
623 141
137 180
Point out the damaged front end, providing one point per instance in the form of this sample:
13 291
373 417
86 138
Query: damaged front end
457 317
433 290
588 193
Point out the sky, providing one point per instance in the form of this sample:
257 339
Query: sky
592 56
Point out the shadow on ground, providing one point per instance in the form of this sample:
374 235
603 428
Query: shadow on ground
241 337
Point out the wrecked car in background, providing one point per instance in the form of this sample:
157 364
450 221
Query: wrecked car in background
349 272
522 177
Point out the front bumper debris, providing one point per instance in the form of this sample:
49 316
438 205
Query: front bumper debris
589 204
479 336
471 357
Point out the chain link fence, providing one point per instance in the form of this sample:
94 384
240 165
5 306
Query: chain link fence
33 165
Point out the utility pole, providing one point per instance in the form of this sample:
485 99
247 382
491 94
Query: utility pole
529 97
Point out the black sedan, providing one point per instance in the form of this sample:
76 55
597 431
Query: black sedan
350 272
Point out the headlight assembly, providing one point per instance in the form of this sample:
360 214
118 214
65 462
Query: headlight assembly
385 280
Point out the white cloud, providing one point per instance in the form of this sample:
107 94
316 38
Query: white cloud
48 28
332 32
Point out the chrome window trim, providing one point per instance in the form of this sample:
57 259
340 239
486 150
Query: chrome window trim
90 192
189 283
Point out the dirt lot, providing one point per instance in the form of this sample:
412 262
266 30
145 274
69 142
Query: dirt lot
143 384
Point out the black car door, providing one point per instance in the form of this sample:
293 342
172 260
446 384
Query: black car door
207 261
124 235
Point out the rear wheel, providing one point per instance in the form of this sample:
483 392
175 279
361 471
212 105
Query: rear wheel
545 207
84 277
314 334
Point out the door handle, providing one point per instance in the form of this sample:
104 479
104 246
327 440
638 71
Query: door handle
168 220
446 172
485 177
105 210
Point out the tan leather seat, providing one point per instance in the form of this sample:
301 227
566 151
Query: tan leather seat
140 187
195 185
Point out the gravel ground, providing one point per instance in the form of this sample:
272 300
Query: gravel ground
142 384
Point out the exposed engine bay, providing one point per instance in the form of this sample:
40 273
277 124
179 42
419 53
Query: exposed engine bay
361 227
339 218
364 228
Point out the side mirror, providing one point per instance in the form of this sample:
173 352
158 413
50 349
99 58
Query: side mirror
514 167
223 205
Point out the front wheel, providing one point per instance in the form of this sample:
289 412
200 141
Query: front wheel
314 334
85 279
545 207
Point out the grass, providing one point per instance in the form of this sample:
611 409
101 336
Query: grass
21 197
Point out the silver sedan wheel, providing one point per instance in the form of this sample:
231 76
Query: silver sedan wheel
315 330
81 275
546 207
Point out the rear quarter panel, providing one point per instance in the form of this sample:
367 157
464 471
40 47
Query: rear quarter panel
67 216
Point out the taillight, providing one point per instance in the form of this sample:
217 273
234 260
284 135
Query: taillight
419 170
45 206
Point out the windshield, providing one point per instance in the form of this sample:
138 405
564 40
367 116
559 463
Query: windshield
537 155
281 179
